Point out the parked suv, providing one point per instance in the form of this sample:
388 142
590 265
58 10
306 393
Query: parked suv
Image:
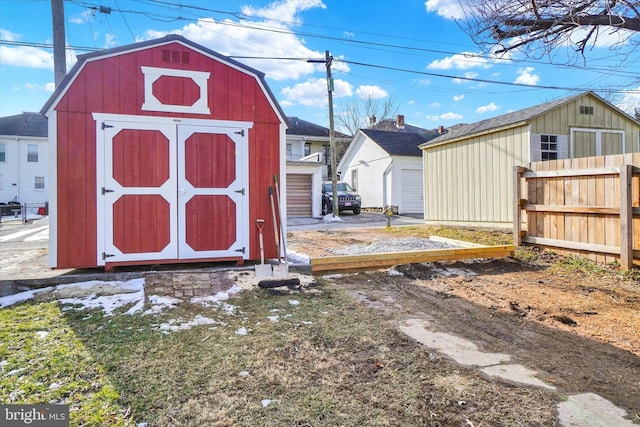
348 199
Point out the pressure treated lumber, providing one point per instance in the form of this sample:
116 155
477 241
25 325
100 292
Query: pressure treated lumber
352 263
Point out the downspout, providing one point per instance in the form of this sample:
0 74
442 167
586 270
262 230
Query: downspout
385 193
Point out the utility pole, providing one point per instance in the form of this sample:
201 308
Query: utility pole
59 45
332 145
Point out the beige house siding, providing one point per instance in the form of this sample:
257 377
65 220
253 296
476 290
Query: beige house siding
469 182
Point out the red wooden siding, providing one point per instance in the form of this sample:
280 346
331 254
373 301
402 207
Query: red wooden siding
134 216
116 85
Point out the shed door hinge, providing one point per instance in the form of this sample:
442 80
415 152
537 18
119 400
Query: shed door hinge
240 191
106 190
105 126
241 250
106 255
240 132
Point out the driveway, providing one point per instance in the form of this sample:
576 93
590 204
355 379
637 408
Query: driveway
349 220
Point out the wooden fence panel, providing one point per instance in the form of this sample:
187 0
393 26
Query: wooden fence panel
581 206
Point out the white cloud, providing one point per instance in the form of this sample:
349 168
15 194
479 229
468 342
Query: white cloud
8 35
313 92
110 40
83 18
373 92
435 105
458 98
630 101
467 75
242 38
526 77
26 56
283 10
349 34
50 87
460 61
487 108
449 9
411 102
445 116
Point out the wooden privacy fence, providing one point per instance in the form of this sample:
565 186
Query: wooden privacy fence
588 207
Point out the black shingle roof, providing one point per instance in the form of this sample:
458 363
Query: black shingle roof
298 126
398 143
25 124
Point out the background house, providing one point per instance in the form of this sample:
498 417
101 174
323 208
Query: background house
385 168
308 164
161 152
468 175
24 159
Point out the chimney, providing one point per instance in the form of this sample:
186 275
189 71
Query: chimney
400 121
440 130
372 120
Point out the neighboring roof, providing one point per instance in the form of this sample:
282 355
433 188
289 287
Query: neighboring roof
398 143
391 125
25 124
301 127
520 116
171 38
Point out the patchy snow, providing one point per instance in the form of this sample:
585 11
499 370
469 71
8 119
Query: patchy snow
180 325
267 402
242 331
331 218
295 258
22 296
273 318
394 272
294 302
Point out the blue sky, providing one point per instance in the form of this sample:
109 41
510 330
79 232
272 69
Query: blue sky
413 52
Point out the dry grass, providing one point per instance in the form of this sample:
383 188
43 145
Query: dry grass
326 361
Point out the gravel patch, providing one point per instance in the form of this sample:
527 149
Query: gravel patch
394 245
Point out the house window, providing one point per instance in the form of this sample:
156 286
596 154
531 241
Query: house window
32 153
289 152
307 149
549 147
354 179
585 109
39 184
3 152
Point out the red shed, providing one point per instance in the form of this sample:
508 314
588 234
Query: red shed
161 152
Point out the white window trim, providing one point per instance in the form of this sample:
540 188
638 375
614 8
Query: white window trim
598 133
151 103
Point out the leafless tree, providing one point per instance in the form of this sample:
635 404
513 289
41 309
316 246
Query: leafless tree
537 27
356 114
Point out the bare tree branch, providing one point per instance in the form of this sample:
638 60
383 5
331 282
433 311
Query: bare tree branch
537 27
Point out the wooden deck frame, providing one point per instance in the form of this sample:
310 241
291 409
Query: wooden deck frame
354 263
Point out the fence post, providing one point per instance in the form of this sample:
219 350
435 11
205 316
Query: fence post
517 211
626 217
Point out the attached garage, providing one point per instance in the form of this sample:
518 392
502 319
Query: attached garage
299 192
412 201
162 152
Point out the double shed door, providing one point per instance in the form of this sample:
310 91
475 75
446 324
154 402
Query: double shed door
171 190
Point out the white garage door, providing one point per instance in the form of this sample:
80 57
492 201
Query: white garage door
412 184
298 195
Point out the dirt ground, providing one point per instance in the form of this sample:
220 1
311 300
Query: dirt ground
580 331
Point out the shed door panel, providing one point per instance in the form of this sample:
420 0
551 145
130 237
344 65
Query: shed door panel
139 192
173 191
211 191
298 195
412 197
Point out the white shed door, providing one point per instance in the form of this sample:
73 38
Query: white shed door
172 191
412 197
